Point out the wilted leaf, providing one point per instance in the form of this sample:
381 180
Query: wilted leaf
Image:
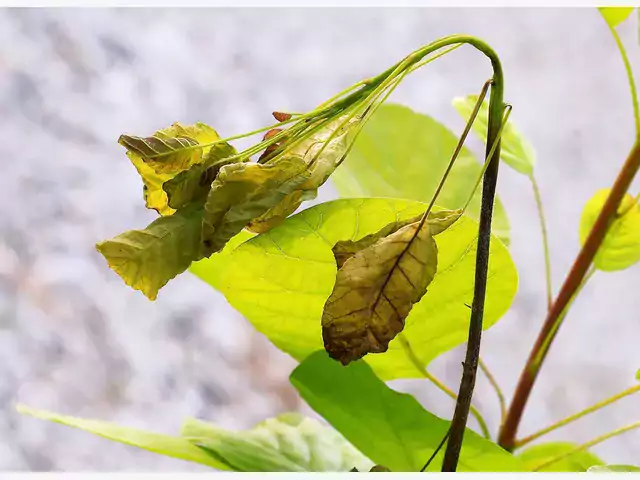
194 183
389 427
173 149
287 443
613 469
175 447
621 246
154 196
244 191
377 286
147 259
281 280
614 16
322 156
515 150
577 462
402 154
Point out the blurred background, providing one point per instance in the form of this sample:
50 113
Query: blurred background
74 339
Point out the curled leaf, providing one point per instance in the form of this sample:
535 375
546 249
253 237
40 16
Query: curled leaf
621 246
155 197
194 183
322 152
147 259
379 280
243 192
173 149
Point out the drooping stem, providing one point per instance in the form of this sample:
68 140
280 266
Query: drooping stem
571 284
545 239
470 366
496 387
587 445
576 416
413 358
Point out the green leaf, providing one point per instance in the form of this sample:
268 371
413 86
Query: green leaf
173 149
515 150
281 280
244 191
287 443
403 154
621 246
638 375
614 16
613 469
194 183
175 447
147 259
390 428
539 454
377 286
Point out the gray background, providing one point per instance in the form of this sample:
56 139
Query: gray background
74 339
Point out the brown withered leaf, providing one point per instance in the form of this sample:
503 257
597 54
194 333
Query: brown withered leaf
380 277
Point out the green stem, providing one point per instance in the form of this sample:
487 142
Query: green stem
632 83
496 387
587 445
545 238
413 358
576 416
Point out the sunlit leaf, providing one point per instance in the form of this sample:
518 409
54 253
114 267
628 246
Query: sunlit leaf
390 428
515 150
194 183
614 16
403 154
613 469
244 191
281 280
638 375
287 443
377 286
147 259
173 149
175 447
577 462
621 246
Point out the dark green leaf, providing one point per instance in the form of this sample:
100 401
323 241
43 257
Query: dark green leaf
390 428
